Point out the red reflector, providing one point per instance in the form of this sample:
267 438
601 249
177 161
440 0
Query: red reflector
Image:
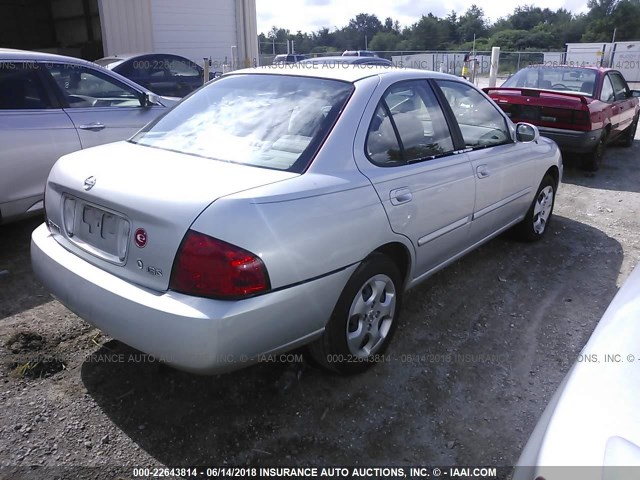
208 267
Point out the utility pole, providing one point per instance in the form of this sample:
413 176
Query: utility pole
473 63
272 36
613 41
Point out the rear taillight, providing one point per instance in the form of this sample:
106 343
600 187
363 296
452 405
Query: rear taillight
582 119
69 215
208 267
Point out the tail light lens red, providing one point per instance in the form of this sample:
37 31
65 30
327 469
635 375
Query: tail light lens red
208 267
582 119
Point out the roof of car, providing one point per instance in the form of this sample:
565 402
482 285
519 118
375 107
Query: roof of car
129 56
25 55
345 59
347 73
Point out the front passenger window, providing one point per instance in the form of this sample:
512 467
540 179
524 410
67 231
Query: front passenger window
620 88
607 91
408 126
481 124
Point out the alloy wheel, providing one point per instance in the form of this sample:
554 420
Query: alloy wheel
542 209
371 315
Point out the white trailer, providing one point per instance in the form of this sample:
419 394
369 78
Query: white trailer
625 57
588 54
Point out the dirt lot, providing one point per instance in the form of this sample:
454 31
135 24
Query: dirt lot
482 346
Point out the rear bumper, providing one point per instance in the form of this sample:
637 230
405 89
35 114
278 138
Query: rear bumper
572 141
191 333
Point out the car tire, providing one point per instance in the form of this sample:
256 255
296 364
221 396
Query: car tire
630 133
363 320
536 222
593 159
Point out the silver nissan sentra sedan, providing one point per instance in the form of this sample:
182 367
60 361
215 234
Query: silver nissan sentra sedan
278 207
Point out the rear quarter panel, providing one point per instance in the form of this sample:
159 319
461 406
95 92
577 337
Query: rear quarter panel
313 225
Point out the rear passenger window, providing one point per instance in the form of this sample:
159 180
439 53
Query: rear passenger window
84 87
180 68
21 88
408 126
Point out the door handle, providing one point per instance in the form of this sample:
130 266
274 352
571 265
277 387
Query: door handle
400 196
95 126
483 171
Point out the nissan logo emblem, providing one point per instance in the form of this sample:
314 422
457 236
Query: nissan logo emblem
89 183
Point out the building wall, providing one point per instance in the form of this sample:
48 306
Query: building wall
126 26
223 30
195 29
247 36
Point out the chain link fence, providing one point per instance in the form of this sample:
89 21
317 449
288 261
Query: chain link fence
478 64
623 56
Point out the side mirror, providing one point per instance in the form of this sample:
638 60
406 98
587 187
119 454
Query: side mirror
527 133
149 99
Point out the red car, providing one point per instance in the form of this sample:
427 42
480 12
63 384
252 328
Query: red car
582 108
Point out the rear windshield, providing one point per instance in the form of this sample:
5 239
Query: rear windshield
562 79
103 62
272 121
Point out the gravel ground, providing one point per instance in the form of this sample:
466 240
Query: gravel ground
481 348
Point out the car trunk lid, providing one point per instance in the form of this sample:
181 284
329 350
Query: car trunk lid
126 208
545 108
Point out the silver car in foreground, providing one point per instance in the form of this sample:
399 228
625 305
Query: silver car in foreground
591 428
51 105
278 207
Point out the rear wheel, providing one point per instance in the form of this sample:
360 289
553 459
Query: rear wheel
536 222
593 159
630 133
364 319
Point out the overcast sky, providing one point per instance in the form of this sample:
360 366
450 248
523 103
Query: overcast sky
311 15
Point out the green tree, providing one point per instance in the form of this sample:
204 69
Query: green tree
384 41
364 26
509 40
605 16
430 33
472 23
526 28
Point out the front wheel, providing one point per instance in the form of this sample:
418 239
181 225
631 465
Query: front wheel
363 320
630 133
536 222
